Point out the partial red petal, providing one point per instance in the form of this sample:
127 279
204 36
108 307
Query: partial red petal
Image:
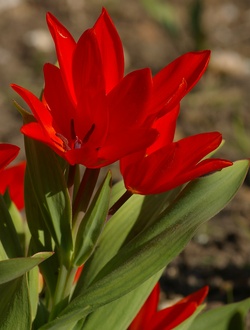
13 179
147 312
8 152
111 50
65 47
38 109
198 296
169 318
35 131
194 148
166 126
61 108
172 165
126 142
90 87
128 101
168 81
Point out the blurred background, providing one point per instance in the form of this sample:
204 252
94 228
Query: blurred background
155 32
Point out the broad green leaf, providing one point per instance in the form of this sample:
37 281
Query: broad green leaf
18 221
42 316
16 267
33 289
112 238
155 247
232 316
10 245
47 182
15 310
152 206
41 239
92 224
137 212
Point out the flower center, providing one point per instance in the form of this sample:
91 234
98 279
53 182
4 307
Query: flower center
76 141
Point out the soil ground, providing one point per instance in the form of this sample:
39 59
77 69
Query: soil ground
153 34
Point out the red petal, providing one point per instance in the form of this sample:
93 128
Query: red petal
169 318
127 142
90 87
8 152
111 50
35 131
128 101
55 94
38 109
147 311
172 165
13 179
198 296
166 126
65 47
168 81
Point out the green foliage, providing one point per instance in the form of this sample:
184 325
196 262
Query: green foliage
145 255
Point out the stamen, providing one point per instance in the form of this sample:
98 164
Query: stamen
72 129
87 136
78 143
65 141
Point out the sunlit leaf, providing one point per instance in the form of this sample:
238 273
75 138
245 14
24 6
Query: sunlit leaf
156 246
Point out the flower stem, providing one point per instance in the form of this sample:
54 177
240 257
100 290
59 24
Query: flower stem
71 179
85 191
119 203
63 290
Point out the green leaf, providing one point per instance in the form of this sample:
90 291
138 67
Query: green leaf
136 214
41 239
33 288
15 305
10 245
227 317
123 309
14 268
92 224
46 181
19 223
112 238
156 246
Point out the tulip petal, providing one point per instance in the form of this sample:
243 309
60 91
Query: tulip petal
166 127
169 80
56 97
111 50
38 109
13 179
8 152
128 101
65 47
147 311
35 131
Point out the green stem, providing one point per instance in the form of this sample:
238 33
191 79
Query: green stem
71 179
63 290
85 191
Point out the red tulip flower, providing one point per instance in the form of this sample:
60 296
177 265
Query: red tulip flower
149 318
167 164
8 152
12 178
90 113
